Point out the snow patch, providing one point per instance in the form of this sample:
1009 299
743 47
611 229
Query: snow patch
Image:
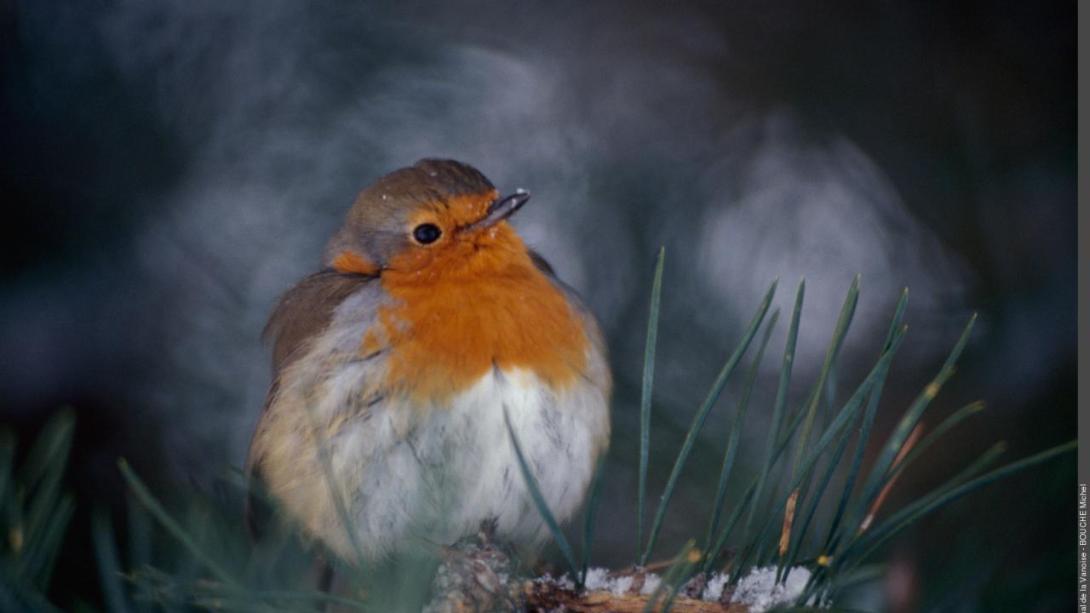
651 583
714 590
760 592
563 582
598 579
621 585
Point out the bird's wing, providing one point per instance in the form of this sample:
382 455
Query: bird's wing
302 313
307 309
542 264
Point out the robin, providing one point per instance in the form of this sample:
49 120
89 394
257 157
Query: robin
395 365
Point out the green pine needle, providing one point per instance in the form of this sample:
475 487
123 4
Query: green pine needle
880 471
539 502
844 321
109 568
864 430
945 495
148 501
591 515
780 404
701 416
736 432
645 393
675 576
846 415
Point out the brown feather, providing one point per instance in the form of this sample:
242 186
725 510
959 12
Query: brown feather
302 312
305 310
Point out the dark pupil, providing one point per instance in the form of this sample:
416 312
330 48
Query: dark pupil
426 233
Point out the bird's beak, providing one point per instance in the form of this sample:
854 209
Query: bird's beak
501 209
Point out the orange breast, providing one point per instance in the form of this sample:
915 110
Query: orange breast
480 304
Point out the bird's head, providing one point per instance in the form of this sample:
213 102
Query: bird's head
435 218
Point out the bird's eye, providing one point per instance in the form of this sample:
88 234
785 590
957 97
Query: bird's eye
427 233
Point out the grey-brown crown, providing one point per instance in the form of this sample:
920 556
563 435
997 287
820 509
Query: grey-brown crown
375 226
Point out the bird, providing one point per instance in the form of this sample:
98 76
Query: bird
406 368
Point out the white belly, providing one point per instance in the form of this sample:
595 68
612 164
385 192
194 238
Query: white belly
434 476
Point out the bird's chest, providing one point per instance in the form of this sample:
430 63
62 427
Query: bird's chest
443 338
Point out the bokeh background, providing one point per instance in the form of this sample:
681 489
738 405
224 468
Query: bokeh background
168 168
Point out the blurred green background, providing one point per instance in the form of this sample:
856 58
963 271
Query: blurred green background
168 168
